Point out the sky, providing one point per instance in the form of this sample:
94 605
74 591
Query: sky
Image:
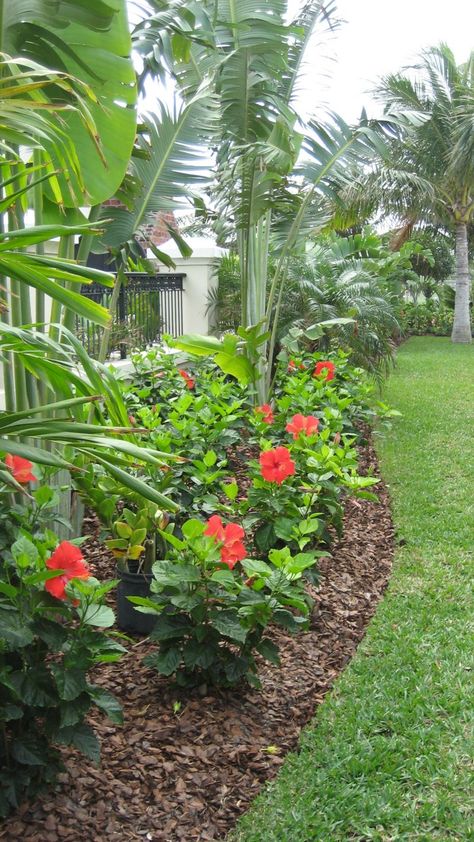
379 37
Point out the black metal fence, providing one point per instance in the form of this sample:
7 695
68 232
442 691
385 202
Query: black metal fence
148 306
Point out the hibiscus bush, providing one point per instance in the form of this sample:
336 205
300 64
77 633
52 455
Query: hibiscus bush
52 621
213 603
267 485
260 492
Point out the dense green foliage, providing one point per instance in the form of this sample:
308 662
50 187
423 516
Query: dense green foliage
275 476
52 616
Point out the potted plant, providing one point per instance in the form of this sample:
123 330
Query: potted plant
135 549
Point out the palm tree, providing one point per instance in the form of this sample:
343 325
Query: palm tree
429 173
266 195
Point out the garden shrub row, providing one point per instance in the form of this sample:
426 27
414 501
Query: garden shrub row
431 317
259 493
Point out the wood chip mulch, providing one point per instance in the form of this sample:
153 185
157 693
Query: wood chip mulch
170 775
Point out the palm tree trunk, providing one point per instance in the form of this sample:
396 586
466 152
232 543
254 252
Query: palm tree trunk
462 317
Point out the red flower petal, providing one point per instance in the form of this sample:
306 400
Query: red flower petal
57 586
302 424
266 412
64 556
233 532
20 468
67 558
215 528
190 383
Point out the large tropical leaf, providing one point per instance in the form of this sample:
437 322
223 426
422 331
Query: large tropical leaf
50 275
89 41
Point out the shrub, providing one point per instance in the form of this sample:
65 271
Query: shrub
427 318
214 604
52 614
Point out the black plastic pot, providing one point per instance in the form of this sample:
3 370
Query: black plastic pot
128 618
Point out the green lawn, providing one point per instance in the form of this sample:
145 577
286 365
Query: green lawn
390 755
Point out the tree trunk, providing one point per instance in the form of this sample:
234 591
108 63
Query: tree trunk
462 316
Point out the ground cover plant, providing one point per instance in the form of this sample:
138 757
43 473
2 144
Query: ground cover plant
389 754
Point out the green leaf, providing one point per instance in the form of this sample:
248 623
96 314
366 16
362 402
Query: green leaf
14 630
167 573
97 615
147 605
300 562
10 712
279 557
91 42
37 276
83 738
236 669
288 620
29 751
210 458
136 485
167 628
200 346
107 702
265 537
284 528
172 539
71 713
238 366
230 489
24 552
269 651
166 662
123 530
224 577
8 590
200 655
53 634
227 623
35 687
255 567
192 529
70 682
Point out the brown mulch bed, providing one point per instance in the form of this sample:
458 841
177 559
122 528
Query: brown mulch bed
187 775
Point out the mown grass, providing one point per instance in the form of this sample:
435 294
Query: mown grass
390 754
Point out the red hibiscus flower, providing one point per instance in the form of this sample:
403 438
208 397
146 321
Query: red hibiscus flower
69 560
20 468
276 465
327 366
292 366
266 412
190 383
301 424
232 550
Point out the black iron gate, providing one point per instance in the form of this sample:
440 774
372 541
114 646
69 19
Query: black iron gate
148 307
